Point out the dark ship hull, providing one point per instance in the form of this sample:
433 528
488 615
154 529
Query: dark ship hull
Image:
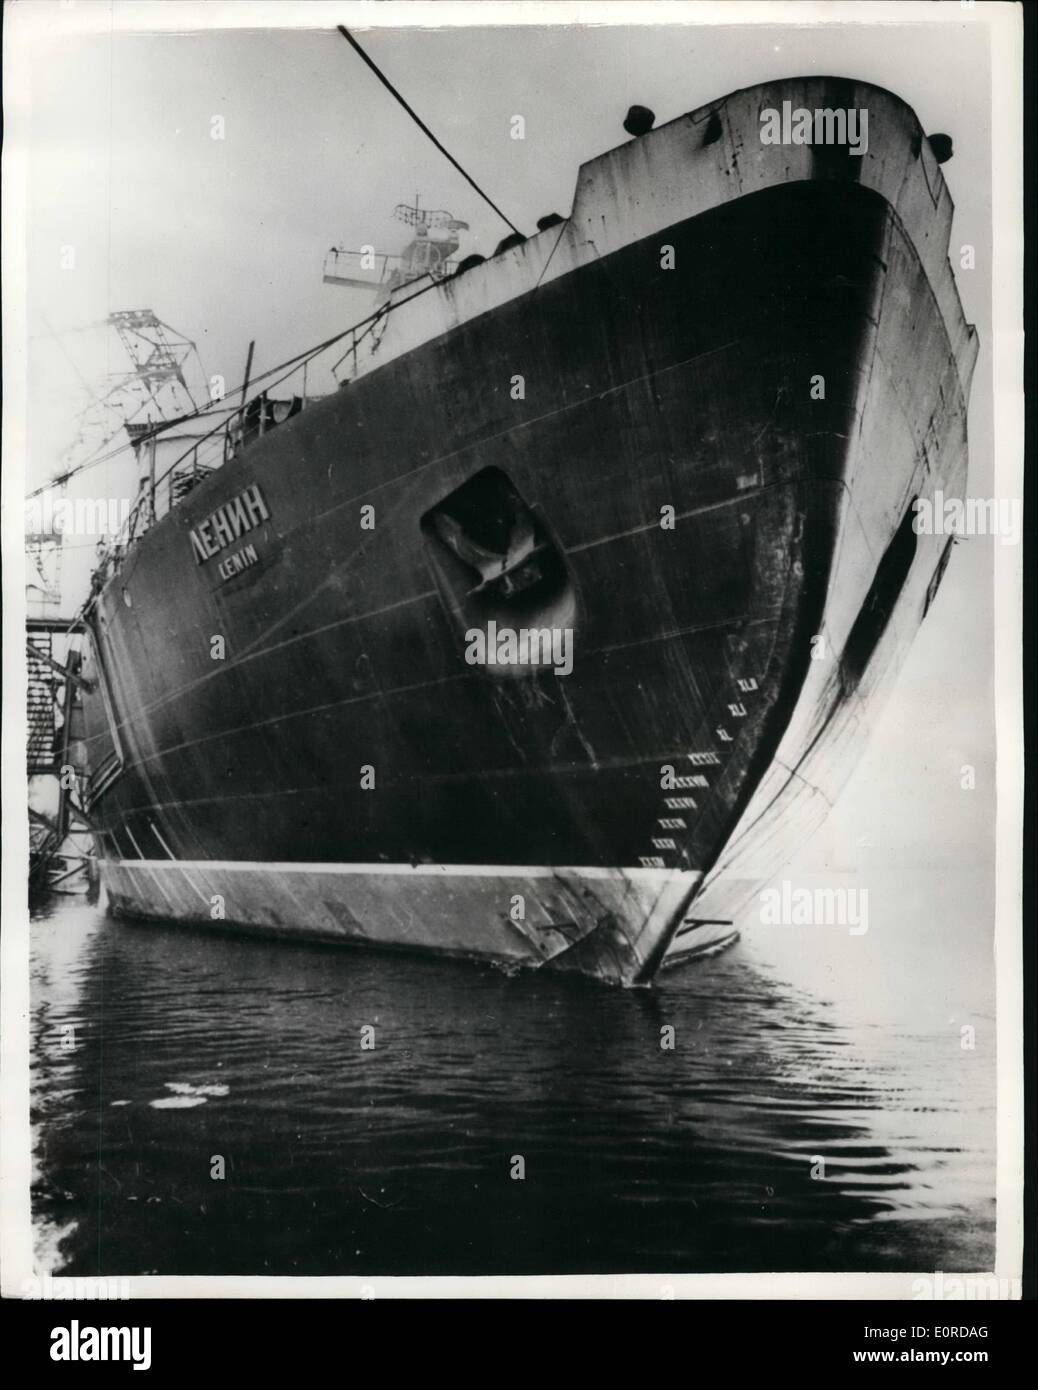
697 512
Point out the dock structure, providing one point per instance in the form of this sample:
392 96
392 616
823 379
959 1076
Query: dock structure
60 849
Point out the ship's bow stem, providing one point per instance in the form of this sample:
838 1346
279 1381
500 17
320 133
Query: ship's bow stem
630 939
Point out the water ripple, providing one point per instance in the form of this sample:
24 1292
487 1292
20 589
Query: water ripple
785 1130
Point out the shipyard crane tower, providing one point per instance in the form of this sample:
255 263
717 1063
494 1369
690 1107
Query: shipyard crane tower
155 385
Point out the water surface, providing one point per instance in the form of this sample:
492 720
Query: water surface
802 1121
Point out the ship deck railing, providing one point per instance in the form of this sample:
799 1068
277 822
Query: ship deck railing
240 427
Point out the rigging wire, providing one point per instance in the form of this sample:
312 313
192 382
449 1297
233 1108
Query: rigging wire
423 127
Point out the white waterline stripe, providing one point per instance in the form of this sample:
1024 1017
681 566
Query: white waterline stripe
418 870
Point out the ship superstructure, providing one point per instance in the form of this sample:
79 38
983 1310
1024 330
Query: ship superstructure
437 236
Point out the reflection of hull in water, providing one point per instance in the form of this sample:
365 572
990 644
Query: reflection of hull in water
346 774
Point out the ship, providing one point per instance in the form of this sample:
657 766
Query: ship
683 429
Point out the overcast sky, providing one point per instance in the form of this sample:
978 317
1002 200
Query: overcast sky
224 240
